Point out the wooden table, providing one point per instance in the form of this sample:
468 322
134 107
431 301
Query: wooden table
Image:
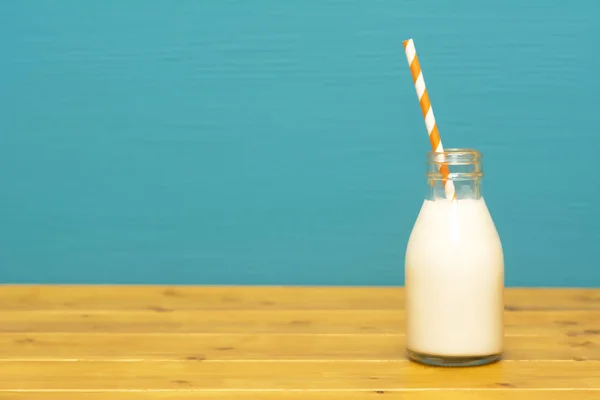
141 342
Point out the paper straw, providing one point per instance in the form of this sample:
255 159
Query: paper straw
427 110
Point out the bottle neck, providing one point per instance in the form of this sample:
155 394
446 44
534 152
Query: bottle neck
461 168
464 189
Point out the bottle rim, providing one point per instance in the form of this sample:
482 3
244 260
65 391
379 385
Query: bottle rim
455 156
462 164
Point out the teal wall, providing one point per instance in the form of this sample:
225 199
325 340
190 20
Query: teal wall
280 142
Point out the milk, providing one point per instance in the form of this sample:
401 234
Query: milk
454 281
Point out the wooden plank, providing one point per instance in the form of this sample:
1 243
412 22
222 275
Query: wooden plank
99 297
24 297
521 299
277 375
574 323
114 347
343 342
449 394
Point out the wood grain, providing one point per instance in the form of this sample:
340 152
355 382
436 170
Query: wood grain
472 394
165 346
348 321
102 342
277 375
79 297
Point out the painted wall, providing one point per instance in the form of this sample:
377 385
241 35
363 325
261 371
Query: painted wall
280 142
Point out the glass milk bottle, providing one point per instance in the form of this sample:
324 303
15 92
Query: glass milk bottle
454 269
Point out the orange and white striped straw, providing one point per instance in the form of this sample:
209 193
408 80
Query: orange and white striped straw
432 129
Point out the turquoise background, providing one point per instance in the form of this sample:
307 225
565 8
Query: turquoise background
281 142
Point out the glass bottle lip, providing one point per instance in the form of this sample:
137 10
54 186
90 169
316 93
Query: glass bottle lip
455 156
461 164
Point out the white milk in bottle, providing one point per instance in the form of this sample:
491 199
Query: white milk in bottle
454 270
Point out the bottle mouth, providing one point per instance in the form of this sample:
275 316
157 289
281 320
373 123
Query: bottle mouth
461 164
455 156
